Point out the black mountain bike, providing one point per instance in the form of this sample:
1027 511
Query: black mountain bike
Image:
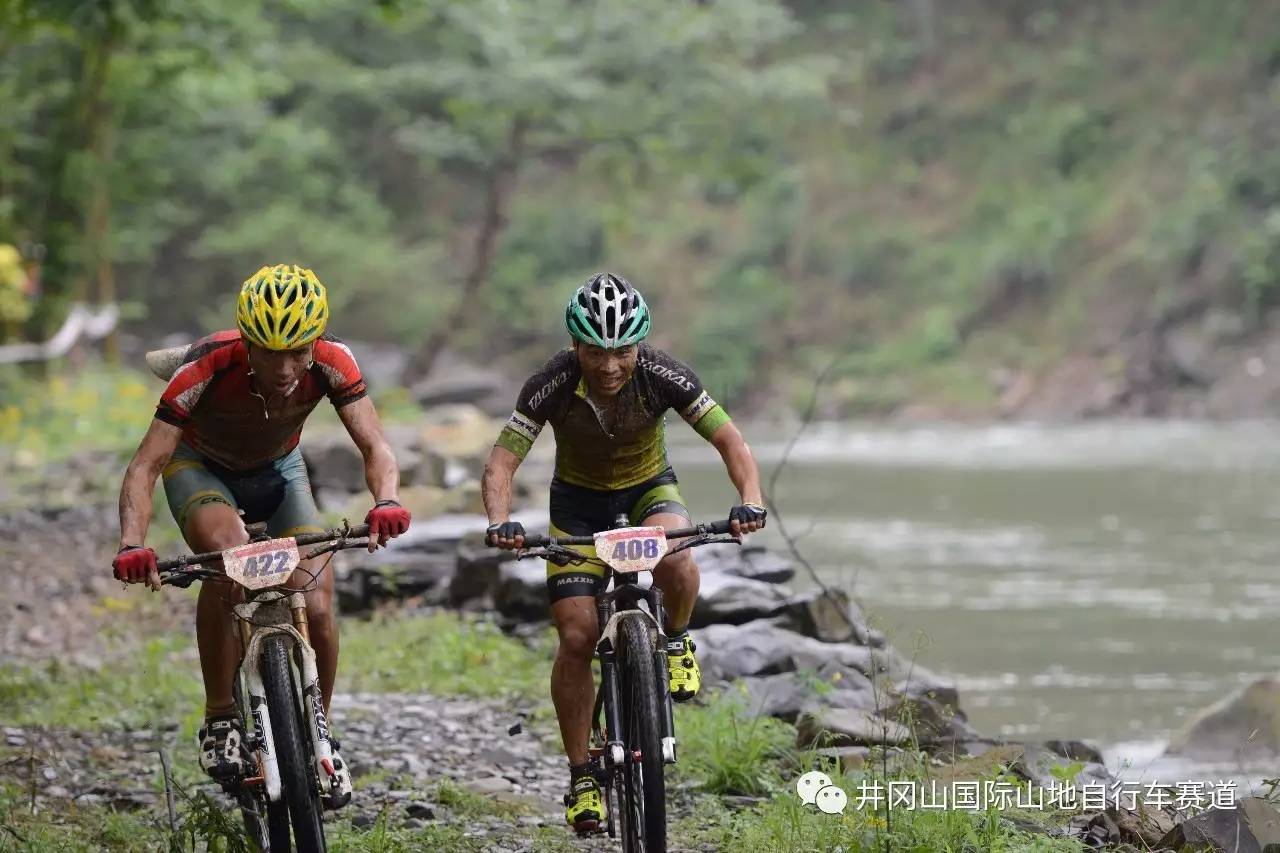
633 728
277 686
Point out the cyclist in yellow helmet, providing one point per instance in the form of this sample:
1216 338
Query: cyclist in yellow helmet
225 437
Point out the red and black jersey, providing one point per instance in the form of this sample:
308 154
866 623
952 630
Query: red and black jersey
212 398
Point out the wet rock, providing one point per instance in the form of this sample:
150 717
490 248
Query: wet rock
333 462
848 759
727 652
1037 764
1142 827
477 572
458 431
390 574
487 390
786 695
930 719
730 600
424 811
1076 750
745 561
1249 828
521 592
1244 723
828 616
381 365
840 727
490 785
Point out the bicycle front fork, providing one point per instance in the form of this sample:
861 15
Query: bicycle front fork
313 704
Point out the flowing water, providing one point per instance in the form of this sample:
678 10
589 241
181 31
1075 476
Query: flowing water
1098 582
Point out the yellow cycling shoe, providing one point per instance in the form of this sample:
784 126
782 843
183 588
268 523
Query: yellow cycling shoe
686 678
585 807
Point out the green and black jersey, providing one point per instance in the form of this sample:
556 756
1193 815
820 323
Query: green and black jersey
615 448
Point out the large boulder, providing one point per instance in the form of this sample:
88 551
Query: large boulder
382 365
836 727
1244 724
728 599
828 616
478 569
520 593
458 431
1251 827
786 695
453 380
386 574
1040 766
727 652
333 462
746 561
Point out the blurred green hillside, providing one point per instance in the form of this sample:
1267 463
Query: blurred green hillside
942 198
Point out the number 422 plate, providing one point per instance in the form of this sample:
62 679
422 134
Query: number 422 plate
632 549
261 564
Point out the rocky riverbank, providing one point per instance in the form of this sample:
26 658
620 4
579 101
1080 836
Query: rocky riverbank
803 656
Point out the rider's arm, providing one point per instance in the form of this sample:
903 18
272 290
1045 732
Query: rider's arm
495 487
739 462
380 469
140 480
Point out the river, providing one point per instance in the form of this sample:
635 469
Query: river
1098 581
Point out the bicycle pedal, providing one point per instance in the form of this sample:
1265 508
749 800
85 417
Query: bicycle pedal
333 802
587 827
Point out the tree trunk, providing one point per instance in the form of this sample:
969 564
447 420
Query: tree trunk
100 140
500 185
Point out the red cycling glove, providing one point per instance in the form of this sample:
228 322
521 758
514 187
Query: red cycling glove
387 519
134 563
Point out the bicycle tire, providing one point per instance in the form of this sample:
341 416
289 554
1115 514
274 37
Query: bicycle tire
641 714
296 771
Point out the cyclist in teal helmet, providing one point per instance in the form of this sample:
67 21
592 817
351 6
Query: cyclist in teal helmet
606 398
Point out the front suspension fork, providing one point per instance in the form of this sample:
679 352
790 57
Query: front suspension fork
662 672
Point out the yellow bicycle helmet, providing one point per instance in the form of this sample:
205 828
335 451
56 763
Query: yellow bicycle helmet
282 307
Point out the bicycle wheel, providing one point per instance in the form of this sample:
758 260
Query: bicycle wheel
266 823
641 709
296 769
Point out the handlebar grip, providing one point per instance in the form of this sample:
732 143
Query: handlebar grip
536 541
719 528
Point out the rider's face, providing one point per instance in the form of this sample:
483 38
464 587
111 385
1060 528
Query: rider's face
606 370
278 371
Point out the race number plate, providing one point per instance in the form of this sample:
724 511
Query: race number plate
632 549
261 564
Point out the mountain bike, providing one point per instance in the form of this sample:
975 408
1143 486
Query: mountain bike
633 729
277 685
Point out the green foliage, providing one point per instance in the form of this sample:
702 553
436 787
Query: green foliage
442 653
728 750
155 685
46 419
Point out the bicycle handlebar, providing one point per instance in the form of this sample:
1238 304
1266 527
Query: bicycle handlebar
714 528
333 534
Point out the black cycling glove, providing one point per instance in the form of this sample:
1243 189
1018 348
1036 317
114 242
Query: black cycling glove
747 513
505 530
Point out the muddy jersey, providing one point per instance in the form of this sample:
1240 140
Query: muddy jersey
615 447
212 398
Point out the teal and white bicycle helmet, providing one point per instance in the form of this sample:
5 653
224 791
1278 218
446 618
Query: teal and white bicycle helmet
608 312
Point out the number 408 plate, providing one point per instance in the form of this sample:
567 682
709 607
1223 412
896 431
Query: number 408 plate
261 564
632 549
